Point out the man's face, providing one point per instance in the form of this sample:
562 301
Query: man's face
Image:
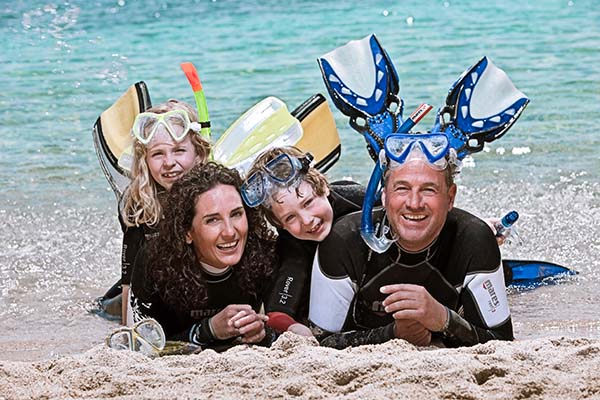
417 201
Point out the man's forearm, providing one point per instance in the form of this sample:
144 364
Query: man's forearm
461 332
342 340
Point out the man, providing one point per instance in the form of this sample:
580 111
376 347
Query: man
441 278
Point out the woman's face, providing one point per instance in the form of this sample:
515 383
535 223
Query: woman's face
220 227
167 159
302 213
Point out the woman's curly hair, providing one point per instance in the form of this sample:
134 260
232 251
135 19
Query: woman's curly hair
174 266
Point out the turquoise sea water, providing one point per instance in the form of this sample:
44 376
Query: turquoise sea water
63 63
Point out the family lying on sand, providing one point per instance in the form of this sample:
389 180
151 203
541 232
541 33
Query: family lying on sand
200 258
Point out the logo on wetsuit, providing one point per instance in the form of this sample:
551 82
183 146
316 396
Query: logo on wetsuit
378 308
286 290
208 312
493 302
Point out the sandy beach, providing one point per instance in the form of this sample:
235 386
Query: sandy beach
296 367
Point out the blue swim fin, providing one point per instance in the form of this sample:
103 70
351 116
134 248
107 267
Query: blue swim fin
480 107
363 84
525 274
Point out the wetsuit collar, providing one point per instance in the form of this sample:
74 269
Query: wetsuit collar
210 270
412 258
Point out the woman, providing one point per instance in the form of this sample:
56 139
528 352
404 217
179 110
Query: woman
207 272
166 144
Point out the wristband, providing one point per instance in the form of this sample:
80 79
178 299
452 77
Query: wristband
212 331
447 323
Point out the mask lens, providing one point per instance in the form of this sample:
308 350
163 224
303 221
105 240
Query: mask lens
151 332
120 340
398 147
253 190
281 169
144 127
177 125
435 145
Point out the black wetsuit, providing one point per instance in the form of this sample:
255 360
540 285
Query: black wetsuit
134 238
291 284
461 269
191 326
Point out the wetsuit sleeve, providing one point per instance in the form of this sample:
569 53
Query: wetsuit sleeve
338 265
132 241
145 302
484 313
288 292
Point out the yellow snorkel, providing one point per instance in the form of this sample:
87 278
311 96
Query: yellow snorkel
192 76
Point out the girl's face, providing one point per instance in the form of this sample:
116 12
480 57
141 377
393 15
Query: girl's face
167 159
302 213
220 227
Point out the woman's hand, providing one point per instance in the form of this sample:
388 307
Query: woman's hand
239 320
300 329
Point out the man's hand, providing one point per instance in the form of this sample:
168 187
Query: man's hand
412 331
413 302
239 320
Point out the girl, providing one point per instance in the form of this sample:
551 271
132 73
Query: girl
166 144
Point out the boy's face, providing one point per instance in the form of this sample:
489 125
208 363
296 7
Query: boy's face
302 213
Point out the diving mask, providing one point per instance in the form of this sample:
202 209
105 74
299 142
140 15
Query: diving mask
176 122
282 171
146 336
402 148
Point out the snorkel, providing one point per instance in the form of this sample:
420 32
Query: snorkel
380 243
192 75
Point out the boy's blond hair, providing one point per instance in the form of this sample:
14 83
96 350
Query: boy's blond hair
313 177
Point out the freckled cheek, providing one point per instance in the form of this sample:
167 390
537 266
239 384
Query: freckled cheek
294 229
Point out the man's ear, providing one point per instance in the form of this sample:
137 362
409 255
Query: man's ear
188 237
383 198
452 196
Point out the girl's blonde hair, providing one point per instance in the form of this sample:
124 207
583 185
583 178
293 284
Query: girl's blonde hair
141 204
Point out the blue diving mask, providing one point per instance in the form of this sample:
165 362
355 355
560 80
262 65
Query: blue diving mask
404 147
282 171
